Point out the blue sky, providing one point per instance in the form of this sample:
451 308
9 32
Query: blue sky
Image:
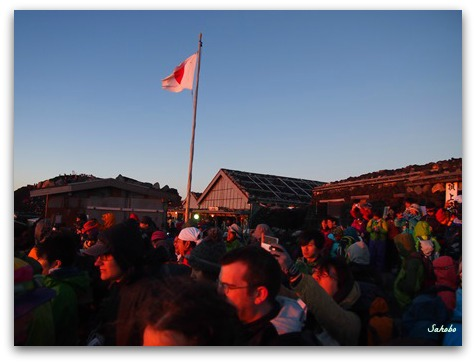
326 98
321 95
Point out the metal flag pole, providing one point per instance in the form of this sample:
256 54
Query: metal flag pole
192 142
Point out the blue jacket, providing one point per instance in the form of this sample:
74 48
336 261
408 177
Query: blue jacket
456 338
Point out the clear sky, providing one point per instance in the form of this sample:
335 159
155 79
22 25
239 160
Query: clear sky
320 95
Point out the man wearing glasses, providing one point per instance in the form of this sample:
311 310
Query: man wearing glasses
250 278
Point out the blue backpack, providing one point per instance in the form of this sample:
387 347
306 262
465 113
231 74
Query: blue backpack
426 317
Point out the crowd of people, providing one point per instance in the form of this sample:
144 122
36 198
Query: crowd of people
391 277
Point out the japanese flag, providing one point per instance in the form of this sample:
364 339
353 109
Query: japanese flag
182 76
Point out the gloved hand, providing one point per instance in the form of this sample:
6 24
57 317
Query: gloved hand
285 261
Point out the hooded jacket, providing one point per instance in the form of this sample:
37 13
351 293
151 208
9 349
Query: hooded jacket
446 275
358 253
409 279
455 338
72 288
423 231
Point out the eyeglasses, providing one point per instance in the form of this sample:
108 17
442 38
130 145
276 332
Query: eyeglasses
225 287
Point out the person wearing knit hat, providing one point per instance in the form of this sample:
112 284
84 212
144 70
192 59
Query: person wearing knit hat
185 242
157 237
134 216
160 240
204 258
33 313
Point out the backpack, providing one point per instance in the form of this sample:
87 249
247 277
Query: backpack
377 324
343 244
425 316
381 327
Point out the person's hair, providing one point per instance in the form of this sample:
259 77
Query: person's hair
345 279
125 244
410 200
82 216
58 245
377 213
312 234
194 309
263 269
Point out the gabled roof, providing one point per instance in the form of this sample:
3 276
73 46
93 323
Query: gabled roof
267 188
99 183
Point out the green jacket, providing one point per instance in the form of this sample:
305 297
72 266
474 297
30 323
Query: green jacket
377 229
409 279
70 285
305 266
230 245
423 230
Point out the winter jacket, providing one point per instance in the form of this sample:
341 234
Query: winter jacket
230 245
117 321
377 229
33 314
304 266
360 225
423 231
71 286
407 222
358 253
455 338
409 279
341 324
446 275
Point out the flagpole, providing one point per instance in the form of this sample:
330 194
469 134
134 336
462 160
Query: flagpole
192 142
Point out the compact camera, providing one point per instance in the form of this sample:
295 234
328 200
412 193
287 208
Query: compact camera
266 242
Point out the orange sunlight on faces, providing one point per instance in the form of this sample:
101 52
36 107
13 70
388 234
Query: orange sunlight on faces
232 275
108 268
45 265
181 247
309 251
